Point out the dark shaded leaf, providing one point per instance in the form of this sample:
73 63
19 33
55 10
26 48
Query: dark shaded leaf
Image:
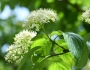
87 40
76 46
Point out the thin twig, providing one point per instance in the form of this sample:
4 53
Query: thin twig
58 45
53 55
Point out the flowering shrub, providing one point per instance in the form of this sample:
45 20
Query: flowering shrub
34 51
16 51
86 16
39 17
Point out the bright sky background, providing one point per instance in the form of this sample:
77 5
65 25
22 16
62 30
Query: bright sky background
20 13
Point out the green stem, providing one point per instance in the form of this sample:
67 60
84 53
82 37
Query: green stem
53 55
44 30
51 40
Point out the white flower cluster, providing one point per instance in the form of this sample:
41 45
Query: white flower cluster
22 42
39 17
86 16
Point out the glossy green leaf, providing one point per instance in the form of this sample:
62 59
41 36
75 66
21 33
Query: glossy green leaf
76 47
75 44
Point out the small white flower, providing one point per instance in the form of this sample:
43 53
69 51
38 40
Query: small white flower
86 16
41 16
24 34
22 42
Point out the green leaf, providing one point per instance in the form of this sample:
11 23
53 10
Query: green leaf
27 57
75 44
88 44
52 63
76 47
38 66
55 33
87 40
27 65
58 66
62 43
56 63
84 58
87 37
68 58
44 44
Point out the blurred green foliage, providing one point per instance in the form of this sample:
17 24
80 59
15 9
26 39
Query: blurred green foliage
69 12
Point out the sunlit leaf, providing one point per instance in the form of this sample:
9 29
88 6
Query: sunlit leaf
58 64
55 33
58 49
45 45
68 58
62 43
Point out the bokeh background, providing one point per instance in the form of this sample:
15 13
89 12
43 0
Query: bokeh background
14 12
